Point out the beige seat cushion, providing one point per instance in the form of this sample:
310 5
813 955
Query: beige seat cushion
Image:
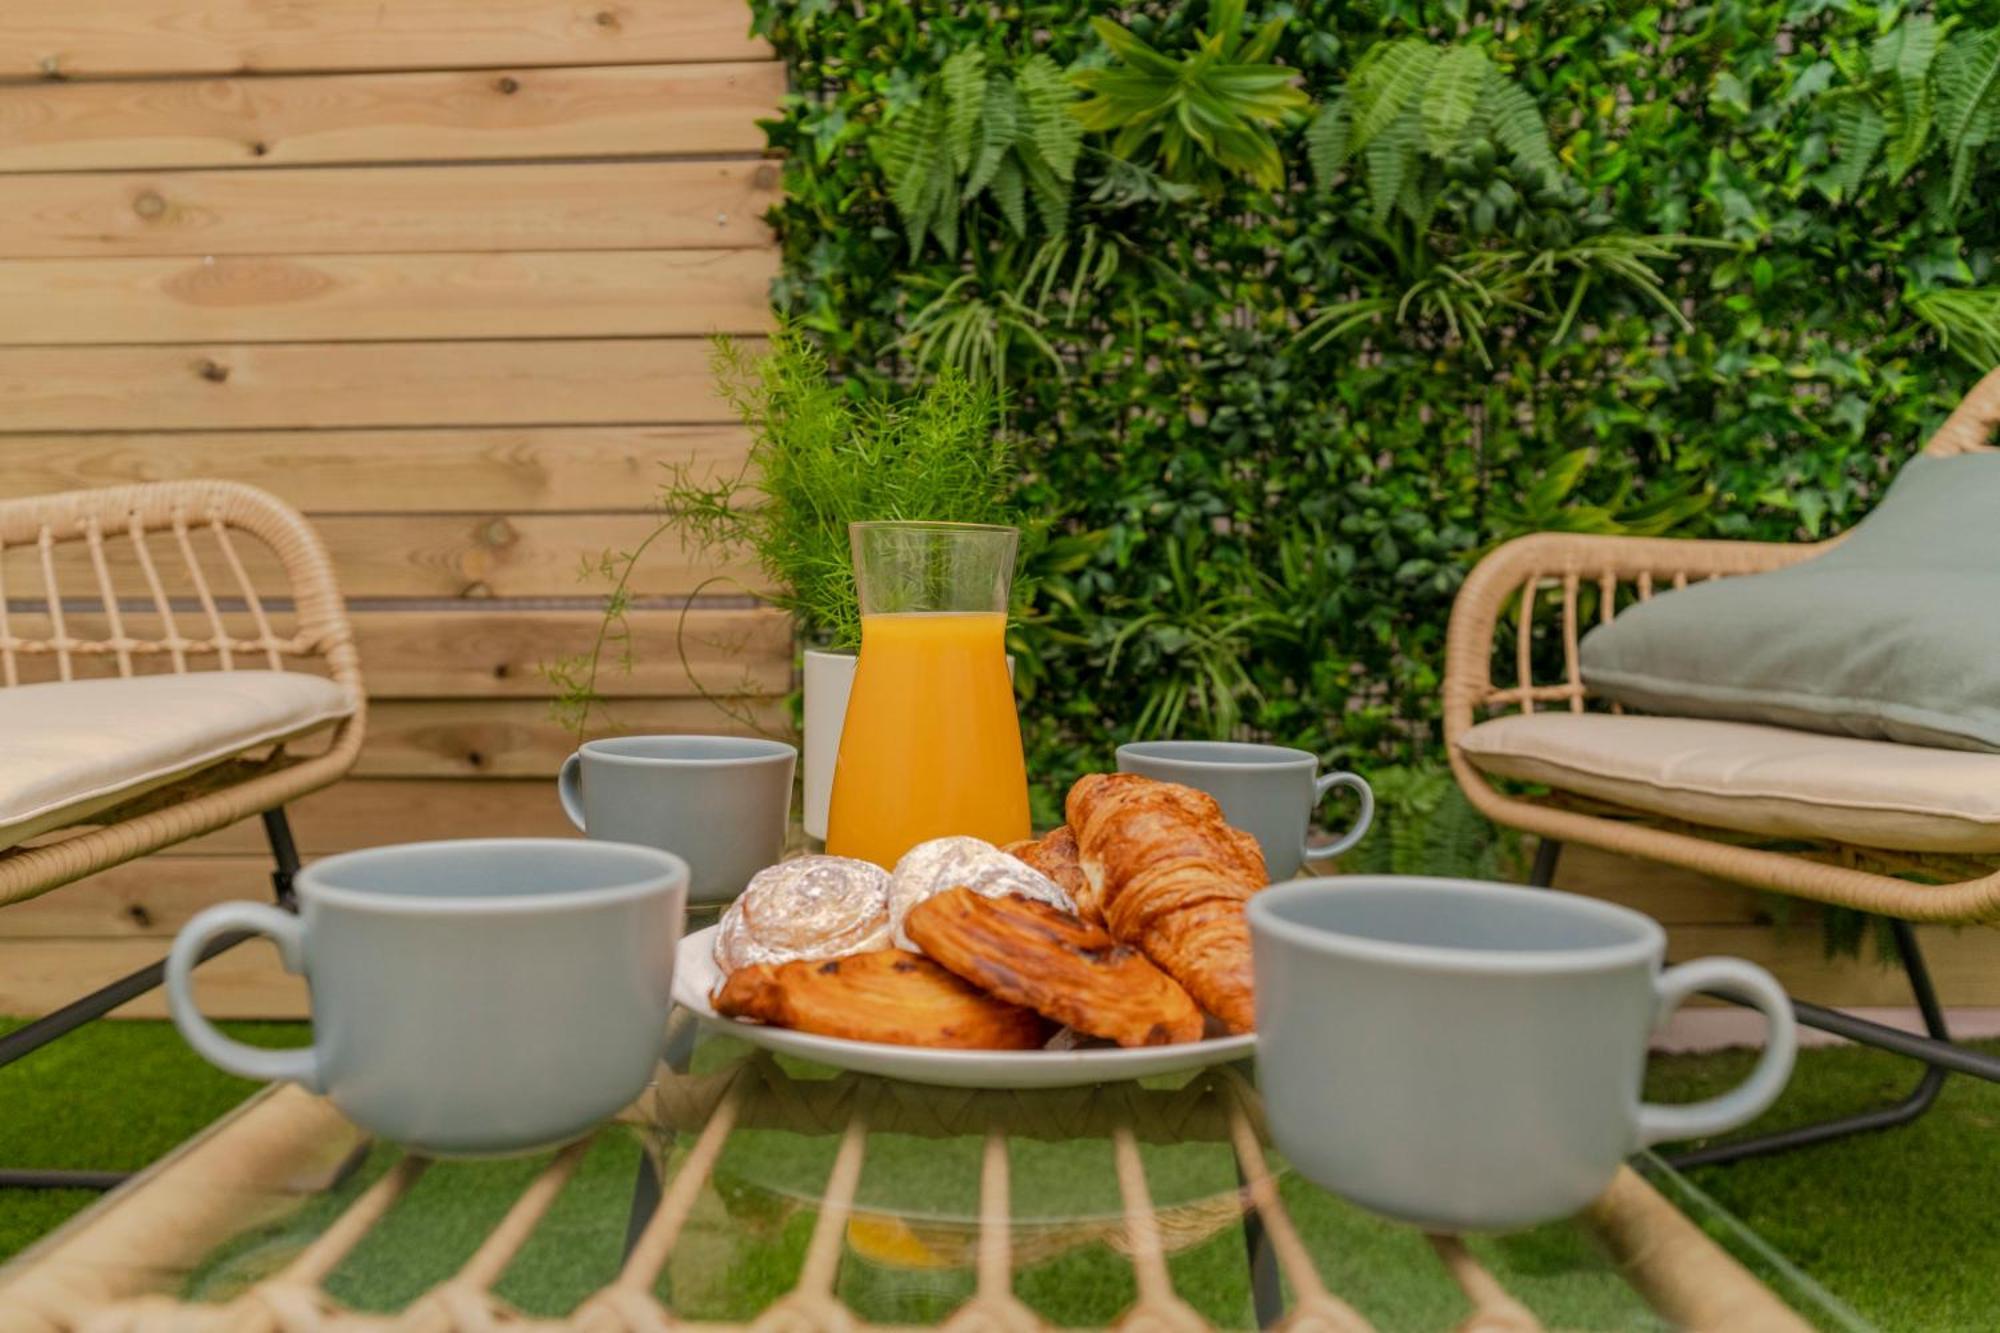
1758 779
71 748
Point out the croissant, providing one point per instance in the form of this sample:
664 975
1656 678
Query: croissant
1169 876
1054 854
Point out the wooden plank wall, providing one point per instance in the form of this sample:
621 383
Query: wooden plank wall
1709 916
438 272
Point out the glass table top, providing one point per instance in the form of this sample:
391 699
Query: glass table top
744 1186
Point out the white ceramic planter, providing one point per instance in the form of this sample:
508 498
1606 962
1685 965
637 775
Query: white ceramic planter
828 679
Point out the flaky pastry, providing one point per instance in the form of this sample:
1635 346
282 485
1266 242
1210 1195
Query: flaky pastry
1169 876
885 995
806 908
1045 958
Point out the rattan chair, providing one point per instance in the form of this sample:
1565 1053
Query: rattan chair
1513 647
142 603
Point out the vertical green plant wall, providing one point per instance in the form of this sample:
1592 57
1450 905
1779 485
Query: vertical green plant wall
1299 309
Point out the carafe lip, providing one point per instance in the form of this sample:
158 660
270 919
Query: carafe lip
930 525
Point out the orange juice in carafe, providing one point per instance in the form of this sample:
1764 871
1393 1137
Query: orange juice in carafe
931 745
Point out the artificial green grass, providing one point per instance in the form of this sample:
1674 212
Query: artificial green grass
1903 1226
111 1097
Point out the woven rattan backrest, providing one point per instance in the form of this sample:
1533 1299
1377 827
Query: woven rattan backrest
1569 584
168 576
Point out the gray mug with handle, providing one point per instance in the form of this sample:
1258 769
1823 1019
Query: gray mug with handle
1468 1056
721 803
1269 791
486 996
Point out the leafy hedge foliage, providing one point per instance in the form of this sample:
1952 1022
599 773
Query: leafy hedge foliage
1274 426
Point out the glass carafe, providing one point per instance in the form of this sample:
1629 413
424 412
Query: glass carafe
932 743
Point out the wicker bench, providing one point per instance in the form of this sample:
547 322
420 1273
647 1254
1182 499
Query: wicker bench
150 694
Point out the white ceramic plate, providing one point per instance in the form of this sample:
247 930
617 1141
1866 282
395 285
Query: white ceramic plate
696 976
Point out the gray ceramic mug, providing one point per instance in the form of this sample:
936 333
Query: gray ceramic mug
493 995
1270 791
1468 1056
720 803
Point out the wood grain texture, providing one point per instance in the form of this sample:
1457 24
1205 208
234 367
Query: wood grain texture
517 738
37 975
147 899
362 812
1665 893
513 469
304 298
483 649
426 116
499 653
1965 964
474 556
262 386
92 37
373 210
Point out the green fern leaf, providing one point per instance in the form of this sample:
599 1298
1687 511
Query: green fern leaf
1858 132
1452 95
1050 191
1516 124
944 217
999 127
1968 91
1326 141
1010 193
1389 160
1047 98
1420 195
964 79
917 161
1386 83
1961 181
1906 51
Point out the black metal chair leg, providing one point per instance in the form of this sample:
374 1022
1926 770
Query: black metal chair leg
645 1199
31 1037
1548 852
284 852
1903 1112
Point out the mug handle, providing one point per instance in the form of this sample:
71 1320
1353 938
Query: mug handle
1359 786
569 789
297 1065
1754 986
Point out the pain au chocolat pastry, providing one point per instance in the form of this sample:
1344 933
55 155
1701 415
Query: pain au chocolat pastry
963 863
1169 877
885 995
807 908
1045 958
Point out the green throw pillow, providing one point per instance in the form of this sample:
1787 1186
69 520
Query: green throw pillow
1892 635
